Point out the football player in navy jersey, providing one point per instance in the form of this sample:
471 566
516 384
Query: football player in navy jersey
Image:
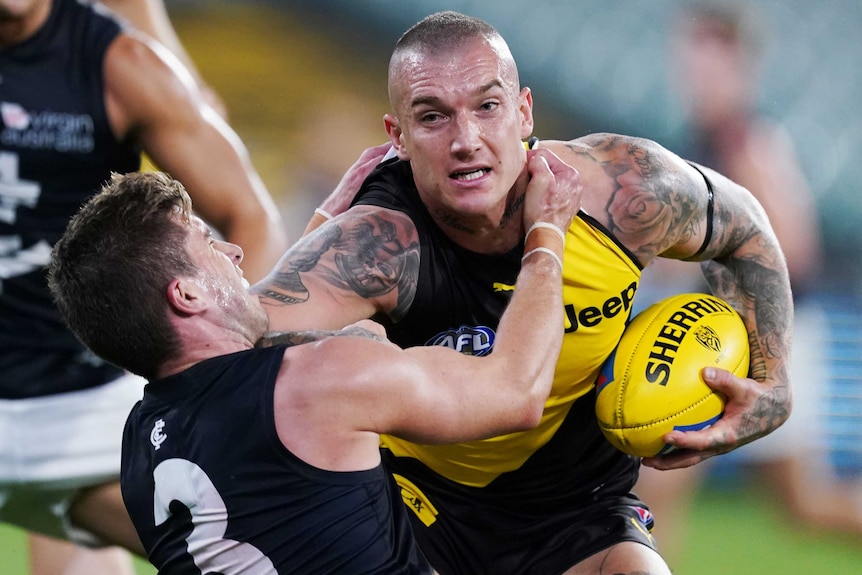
265 459
82 95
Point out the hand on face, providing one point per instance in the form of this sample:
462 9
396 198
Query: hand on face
553 192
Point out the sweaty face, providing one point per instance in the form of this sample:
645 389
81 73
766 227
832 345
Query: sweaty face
460 120
223 281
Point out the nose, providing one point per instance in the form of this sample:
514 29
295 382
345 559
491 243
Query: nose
467 137
233 251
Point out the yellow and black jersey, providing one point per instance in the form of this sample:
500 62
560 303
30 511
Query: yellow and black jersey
548 476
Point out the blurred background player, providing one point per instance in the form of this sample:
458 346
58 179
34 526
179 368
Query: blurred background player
715 52
151 17
77 106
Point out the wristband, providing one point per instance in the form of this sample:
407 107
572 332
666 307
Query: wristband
323 213
319 218
544 234
544 250
546 225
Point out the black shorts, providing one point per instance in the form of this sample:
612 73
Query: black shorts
569 500
488 541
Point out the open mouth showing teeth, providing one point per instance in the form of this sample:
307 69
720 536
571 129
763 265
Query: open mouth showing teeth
472 175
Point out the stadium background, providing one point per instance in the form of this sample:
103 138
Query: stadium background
305 85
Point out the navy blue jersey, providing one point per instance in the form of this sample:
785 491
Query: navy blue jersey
211 488
56 150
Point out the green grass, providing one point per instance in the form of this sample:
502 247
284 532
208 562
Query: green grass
13 553
732 532
14 559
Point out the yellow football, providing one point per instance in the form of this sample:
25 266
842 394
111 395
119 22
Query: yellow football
651 383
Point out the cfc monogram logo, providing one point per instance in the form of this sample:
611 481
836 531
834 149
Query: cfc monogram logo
156 435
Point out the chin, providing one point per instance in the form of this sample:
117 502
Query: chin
480 203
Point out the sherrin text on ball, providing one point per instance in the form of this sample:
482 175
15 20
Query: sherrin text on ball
651 384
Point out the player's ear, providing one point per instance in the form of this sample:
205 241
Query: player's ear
186 296
525 107
396 136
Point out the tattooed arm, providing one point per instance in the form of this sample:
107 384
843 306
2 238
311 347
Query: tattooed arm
357 265
745 266
656 204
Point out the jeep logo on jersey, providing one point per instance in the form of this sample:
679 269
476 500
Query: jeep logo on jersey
470 340
590 316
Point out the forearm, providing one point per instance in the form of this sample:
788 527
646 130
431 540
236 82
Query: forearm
530 332
473 397
754 280
748 270
744 265
759 290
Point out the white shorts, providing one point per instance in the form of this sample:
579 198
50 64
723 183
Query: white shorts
53 447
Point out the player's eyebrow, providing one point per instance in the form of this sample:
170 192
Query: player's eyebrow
495 83
434 100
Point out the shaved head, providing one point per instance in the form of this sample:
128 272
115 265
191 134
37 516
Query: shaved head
441 34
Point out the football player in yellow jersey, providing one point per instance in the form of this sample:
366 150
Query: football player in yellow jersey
429 248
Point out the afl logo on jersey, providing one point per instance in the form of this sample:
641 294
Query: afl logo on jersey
470 340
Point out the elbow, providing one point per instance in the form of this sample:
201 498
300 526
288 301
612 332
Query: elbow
532 416
532 409
788 404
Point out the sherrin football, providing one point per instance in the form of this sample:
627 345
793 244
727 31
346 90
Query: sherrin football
651 383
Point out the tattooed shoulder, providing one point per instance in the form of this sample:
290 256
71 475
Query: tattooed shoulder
294 338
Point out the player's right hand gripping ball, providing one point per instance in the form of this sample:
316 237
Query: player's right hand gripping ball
651 383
